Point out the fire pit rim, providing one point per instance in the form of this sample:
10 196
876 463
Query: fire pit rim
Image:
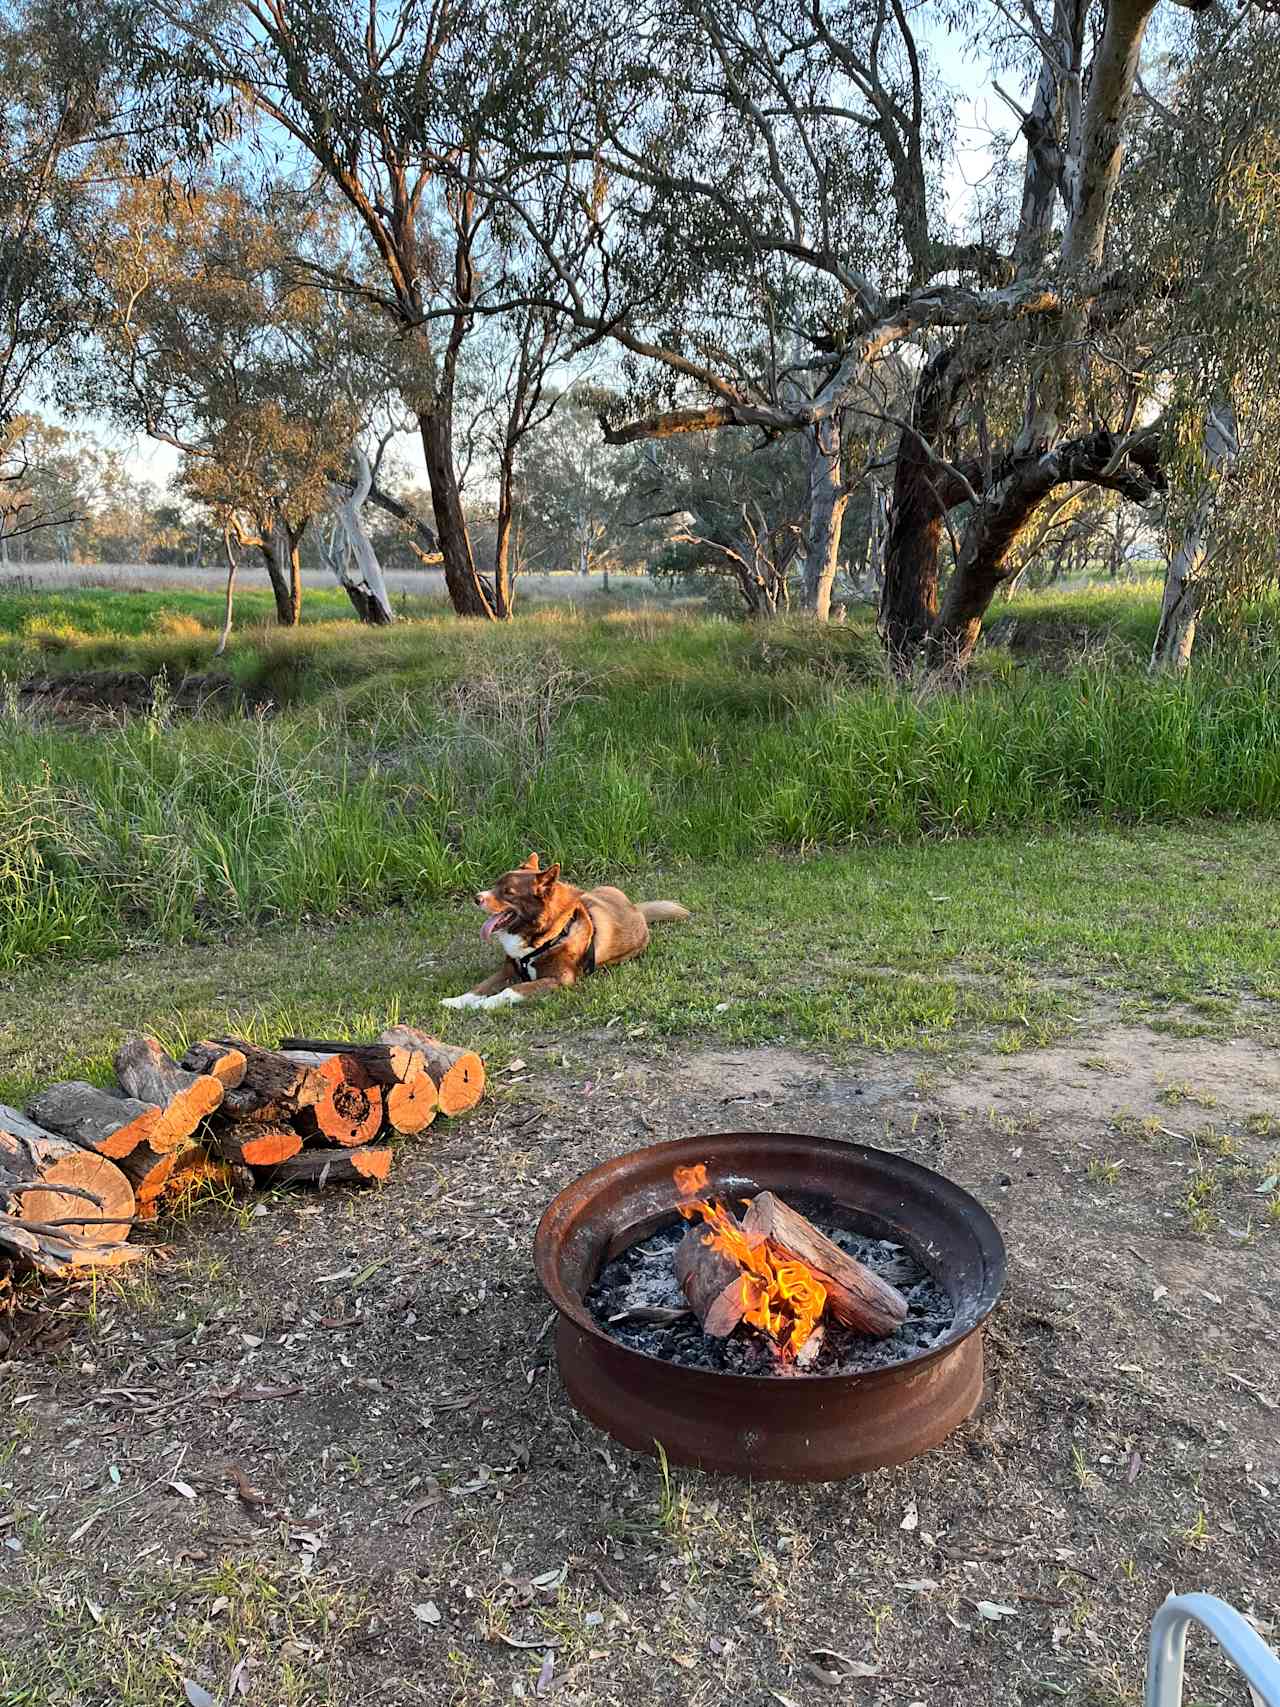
572 1307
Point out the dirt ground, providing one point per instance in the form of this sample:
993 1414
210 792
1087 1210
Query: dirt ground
323 1453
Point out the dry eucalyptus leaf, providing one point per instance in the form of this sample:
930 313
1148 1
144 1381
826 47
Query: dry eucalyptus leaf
910 1517
993 1610
197 1696
545 1673
183 1488
427 1613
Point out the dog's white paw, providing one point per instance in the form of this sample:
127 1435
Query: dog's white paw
468 999
503 999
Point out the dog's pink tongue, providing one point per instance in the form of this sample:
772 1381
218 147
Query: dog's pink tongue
491 924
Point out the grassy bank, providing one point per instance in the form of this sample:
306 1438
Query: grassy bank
367 769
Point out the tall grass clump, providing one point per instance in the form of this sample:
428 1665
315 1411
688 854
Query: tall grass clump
464 749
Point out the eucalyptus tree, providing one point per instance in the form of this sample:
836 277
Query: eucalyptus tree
393 104
208 344
778 256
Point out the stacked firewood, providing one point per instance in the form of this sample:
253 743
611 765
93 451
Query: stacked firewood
83 1165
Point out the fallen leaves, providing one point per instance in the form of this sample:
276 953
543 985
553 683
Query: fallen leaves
994 1610
427 1612
830 1668
910 1517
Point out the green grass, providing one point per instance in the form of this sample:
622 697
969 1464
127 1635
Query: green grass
397 767
1002 941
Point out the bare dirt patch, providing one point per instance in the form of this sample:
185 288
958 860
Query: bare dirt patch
327 1442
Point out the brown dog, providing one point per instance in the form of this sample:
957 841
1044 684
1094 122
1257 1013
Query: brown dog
553 934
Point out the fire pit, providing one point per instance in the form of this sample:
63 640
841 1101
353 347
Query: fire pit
789 1424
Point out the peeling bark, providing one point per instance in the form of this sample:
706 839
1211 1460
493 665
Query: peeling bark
366 588
828 500
1184 581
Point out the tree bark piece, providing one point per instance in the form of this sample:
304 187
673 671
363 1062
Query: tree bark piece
55 1179
219 1060
368 1165
275 1085
711 1281
151 1075
254 1144
855 1296
350 1112
57 1255
458 1074
112 1125
409 1094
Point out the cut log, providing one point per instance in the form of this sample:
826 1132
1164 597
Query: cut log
368 1165
855 1296
385 1063
711 1281
275 1085
412 1106
350 1111
197 1168
147 1170
99 1120
409 1096
146 1072
253 1144
458 1074
54 1179
219 1060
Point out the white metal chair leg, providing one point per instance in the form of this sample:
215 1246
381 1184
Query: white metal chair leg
1237 1638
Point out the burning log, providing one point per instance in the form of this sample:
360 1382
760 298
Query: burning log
146 1072
458 1074
98 1120
253 1144
368 1165
219 1060
409 1096
48 1179
712 1282
855 1296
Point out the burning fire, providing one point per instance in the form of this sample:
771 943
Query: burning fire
783 1297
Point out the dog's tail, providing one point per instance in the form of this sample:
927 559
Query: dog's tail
655 911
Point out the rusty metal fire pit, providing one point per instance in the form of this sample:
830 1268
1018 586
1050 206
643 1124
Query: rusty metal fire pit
801 1427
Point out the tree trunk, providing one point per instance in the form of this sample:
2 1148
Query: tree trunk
458 1074
503 574
366 588
285 572
909 601
233 563
828 500
1184 583
467 592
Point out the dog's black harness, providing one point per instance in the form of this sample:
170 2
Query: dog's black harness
528 963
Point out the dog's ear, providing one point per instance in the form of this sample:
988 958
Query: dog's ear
548 877
531 864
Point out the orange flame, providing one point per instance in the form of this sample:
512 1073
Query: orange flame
781 1296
